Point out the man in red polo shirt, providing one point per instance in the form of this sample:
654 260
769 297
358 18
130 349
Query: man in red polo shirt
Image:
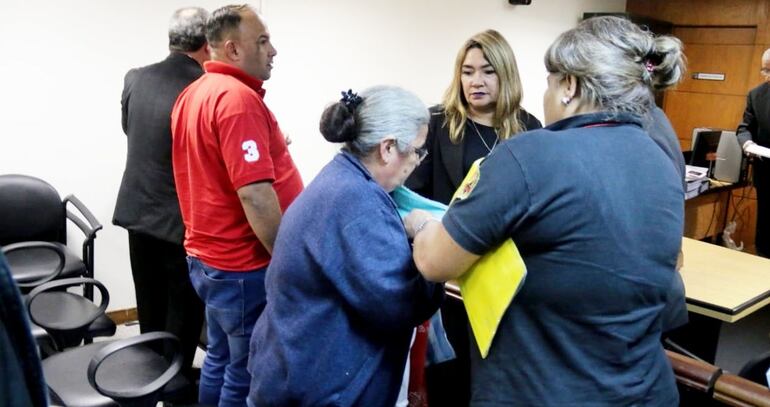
234 177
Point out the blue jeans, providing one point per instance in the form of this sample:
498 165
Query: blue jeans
234 301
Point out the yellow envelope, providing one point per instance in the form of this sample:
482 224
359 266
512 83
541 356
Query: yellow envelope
489 286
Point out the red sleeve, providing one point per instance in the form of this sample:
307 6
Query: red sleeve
244 139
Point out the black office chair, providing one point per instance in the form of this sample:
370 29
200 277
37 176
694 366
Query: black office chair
126 372
66 316
99 326
25 274
756 369
45 341
123 372
31 212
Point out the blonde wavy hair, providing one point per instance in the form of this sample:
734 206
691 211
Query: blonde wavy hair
499 54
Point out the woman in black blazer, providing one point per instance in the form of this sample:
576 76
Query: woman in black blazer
481 107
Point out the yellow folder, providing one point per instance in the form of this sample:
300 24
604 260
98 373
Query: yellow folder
489 286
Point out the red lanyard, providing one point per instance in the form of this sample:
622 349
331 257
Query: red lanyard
607 124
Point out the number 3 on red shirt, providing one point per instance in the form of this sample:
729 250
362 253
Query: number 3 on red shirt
252 153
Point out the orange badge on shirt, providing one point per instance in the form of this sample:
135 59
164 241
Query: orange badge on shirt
470 181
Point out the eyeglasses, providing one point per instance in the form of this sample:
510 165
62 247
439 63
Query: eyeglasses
421 152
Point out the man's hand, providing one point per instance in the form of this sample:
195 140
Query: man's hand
752 148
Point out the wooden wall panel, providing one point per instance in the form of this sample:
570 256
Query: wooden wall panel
763 15
718 36
688 110
754 77
702 12
731 60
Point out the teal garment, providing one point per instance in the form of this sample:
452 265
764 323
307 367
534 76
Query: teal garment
407 200
439 348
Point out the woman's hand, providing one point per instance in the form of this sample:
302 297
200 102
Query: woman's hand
437 256
416 220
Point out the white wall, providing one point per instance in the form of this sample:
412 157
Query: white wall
62 74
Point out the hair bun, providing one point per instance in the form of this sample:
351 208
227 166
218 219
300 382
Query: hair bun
669 62
338 123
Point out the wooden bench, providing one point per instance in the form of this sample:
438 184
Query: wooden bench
726 388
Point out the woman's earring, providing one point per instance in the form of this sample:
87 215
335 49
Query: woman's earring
565 100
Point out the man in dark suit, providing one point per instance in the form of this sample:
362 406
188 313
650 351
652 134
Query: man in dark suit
755 129
147 204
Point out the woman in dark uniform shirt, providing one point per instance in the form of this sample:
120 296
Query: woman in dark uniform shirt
595 208
481 108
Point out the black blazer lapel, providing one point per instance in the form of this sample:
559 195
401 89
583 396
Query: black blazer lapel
452 156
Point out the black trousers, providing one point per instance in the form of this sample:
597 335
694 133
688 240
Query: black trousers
449 383
762 240
165 298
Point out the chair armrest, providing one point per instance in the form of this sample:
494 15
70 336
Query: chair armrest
737 391
37 245
89 230
174 367
93 225
64 283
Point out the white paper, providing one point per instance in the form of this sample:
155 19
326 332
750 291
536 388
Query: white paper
758 150
767 376
693 173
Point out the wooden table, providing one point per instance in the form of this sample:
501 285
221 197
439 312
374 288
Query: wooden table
722 283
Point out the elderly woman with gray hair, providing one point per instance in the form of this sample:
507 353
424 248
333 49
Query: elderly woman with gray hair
343 294
596 210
